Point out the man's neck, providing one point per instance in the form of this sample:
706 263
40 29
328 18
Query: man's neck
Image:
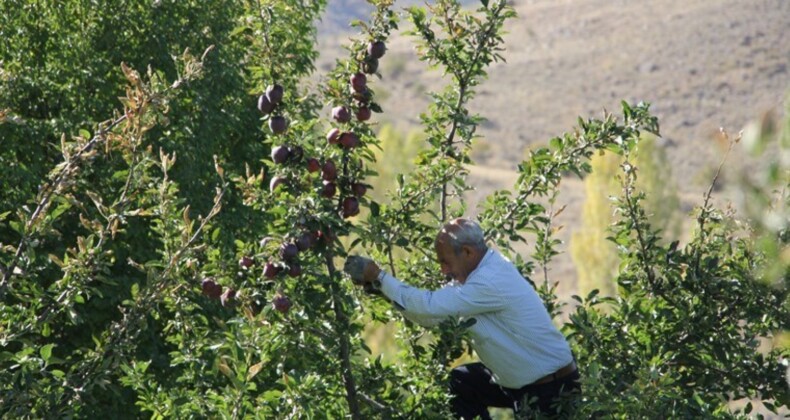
477 259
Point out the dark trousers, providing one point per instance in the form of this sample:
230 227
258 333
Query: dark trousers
474 391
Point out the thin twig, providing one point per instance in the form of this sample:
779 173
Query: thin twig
705 211
120 331
546 236
48 191
379 407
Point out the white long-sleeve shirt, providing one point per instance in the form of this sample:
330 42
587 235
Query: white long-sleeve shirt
513 336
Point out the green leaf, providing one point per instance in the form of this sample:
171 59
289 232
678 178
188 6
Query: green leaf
46 352
16 226
240 29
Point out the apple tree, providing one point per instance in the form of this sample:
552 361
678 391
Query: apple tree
182 259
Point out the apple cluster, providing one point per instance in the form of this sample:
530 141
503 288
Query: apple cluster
375 51
214 291
289 252
287 264
268 103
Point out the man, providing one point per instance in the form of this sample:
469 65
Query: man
521 351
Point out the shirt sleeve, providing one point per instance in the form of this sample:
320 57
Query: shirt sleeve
423 320
474 297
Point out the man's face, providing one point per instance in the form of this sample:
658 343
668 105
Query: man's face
455 266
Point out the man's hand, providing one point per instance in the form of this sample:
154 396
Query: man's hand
363 271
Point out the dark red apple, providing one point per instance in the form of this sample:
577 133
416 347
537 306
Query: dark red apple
332 136
228 297
358 82
211 288
329 189
281 304
264 105
359 189
276 182
377 49
246 262
295 270
363 114
288 251
305 241
280 154
329 171
349 140
350 207
274 93
370 65
278 124
270 270
313 165
341 114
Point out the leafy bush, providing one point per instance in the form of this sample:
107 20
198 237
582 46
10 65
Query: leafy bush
165 265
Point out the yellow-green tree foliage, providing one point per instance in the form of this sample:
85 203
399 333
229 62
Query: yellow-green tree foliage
399 151
595 257
397 154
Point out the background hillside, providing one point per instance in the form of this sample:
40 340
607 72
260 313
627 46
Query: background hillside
701 64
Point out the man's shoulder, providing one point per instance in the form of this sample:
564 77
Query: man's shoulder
500 264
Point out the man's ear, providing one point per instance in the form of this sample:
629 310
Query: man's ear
467 250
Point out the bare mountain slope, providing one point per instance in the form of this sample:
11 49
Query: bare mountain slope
703 64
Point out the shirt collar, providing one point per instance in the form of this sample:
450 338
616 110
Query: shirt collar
484 261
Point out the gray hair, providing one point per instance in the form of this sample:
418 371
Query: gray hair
462 232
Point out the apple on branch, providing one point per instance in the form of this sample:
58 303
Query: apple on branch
264 105
280 154
274 93
341 114
270 270
278 124
376 49
211 288
281 303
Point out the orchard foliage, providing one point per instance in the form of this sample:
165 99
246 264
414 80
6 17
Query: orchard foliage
596 258
176 254
685 331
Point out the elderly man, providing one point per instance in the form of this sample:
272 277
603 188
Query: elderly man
521 351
